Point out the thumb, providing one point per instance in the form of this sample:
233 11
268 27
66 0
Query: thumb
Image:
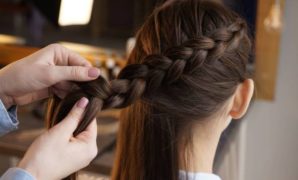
75 73
72 120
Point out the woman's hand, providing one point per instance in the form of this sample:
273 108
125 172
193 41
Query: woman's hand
33 77
56 153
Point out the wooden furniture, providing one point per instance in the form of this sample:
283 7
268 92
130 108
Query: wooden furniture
11 53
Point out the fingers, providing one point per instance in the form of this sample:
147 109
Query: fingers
71 121
75 59
66 57
74 73
66 65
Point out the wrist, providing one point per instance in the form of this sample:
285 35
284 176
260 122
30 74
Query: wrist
29 170
6 100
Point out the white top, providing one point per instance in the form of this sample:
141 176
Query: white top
197 176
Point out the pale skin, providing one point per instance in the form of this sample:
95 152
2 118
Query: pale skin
206 135
56 153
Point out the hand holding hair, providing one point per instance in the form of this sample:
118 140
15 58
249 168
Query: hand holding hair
34 77
57 153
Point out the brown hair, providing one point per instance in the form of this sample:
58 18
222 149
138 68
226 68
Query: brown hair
189 57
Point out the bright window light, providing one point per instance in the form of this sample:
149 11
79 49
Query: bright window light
7 39
75 12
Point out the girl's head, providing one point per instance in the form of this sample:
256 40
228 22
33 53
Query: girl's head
188 67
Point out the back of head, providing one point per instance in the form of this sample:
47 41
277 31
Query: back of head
189 57
192 54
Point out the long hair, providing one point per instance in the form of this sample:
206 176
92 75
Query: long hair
189 57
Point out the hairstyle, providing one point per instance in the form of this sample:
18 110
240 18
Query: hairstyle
189 57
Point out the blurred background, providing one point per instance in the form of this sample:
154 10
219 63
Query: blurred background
262 146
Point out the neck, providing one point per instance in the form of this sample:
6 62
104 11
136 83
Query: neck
200 153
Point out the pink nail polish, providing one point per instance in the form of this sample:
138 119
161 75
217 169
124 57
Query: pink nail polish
82 103
93 72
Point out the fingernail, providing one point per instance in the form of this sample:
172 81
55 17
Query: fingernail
93 72
82 103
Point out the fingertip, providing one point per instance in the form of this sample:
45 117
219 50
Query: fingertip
93 72
82 103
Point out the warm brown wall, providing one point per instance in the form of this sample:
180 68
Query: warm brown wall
267 53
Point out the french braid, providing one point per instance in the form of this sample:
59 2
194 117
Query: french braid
207 65
156 70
